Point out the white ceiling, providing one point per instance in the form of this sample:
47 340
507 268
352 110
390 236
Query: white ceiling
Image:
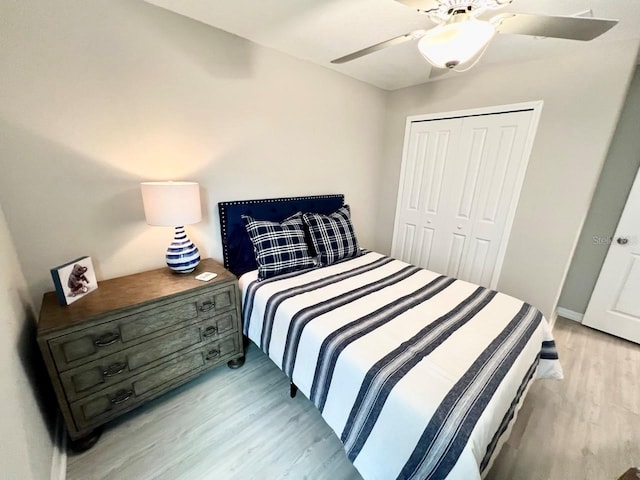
321 30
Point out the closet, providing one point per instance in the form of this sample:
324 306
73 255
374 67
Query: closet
460 182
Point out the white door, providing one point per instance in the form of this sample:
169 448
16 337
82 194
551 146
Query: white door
615 303
422 211
459 186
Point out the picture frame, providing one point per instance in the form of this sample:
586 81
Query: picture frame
74 280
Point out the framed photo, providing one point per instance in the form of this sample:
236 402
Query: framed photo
74 280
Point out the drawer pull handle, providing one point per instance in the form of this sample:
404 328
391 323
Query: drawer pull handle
206 306
107 339
113 370
121 396
213 354
209 331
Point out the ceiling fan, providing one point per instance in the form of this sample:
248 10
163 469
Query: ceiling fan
466 27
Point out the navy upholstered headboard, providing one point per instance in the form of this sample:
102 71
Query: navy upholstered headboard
236 246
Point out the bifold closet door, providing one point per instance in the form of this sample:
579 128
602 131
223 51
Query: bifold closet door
460 181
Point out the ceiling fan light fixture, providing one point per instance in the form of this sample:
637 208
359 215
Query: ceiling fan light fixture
456 42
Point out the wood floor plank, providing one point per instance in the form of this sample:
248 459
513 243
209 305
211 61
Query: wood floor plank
585 426
241 424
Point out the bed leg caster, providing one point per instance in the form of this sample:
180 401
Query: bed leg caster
293 390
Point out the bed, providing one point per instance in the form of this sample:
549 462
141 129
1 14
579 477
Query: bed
420 375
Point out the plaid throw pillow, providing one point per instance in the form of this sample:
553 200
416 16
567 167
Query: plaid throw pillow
279 247
332 235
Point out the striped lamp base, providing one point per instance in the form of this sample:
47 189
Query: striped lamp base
182 255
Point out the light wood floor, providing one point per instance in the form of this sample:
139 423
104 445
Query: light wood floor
586 426
241 424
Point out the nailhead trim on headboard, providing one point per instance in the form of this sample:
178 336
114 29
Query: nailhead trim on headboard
222 208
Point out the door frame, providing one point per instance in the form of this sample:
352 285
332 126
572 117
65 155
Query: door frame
536 108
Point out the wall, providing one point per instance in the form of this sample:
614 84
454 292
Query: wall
98 96
26 447
583 94
608 202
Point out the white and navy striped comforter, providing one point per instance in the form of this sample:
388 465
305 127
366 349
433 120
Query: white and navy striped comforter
420 375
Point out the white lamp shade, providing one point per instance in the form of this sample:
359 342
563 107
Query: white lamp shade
171 204
452 44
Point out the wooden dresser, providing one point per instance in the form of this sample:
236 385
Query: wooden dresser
135 338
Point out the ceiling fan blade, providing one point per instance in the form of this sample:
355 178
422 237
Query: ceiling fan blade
572 28
437 73
379 46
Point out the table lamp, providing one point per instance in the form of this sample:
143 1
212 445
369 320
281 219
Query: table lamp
174 204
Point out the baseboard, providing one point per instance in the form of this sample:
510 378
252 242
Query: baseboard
552 320
59 459
570 314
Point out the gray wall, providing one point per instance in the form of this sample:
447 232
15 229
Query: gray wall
26 444
608 202
578 121
96 96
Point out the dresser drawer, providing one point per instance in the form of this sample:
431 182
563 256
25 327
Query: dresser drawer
101 340
109 403
94 376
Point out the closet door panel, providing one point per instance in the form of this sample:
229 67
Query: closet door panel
496 190
422 205
459 184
